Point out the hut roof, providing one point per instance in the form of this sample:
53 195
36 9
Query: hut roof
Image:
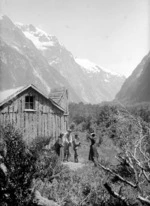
4 95
9 94
57 94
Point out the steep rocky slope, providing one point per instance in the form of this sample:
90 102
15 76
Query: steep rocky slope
137 87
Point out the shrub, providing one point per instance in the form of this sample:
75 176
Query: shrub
19 169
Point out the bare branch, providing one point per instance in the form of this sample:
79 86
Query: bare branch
131 164
143 200
146 177
117 175
85 199
115 194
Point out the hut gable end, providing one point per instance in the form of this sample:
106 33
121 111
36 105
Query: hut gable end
32 112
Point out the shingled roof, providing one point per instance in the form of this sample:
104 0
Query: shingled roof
57 94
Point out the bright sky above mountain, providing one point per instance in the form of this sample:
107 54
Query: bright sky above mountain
112 33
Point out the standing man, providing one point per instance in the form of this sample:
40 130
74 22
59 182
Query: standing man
67 141
59 146
76 143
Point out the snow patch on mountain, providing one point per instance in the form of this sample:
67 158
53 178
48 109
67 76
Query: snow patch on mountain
112 73
40 38
39 45
91 67
87 65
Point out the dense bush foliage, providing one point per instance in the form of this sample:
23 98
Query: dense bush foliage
21 165
18 169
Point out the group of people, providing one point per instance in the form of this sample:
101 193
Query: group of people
63 144
65 141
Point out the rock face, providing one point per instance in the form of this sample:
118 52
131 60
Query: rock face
30 55
136 88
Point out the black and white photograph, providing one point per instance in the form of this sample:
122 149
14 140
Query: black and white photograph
74 102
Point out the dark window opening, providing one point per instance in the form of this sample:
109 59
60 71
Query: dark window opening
29 102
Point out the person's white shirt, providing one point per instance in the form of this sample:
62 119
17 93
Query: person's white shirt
66 139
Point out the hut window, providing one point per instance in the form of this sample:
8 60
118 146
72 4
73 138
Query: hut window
29 102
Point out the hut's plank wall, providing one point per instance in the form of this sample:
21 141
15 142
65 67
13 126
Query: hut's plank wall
45 120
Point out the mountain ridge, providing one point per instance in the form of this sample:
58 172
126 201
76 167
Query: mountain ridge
49 64
136 88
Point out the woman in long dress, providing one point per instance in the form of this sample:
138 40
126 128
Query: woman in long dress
93 153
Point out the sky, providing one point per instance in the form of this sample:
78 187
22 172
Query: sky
111 33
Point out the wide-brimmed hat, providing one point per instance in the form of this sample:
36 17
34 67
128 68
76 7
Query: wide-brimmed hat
93 134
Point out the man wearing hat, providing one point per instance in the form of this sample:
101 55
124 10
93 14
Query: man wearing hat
76 143
58 146
67 141
93 153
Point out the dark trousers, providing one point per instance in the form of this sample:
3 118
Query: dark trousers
75 155
93 154
66 152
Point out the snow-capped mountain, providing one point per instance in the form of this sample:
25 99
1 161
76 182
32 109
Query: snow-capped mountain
91 67
39 38
136 88
87 65
22 63
92 83
30 55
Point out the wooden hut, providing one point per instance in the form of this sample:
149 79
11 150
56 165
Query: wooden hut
33 112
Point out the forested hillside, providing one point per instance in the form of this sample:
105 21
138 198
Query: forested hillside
84 113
